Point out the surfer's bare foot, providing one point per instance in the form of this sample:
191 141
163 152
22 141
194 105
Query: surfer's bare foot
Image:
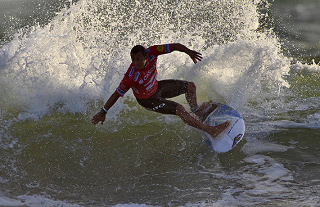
203 107
216 130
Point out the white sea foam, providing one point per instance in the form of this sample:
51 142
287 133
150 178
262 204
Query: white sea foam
76 61
35 201
83 53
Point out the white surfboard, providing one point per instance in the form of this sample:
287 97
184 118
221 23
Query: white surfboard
230 137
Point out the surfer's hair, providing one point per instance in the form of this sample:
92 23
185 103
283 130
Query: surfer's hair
139 49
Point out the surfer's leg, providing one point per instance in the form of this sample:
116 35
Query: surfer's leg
159 105
172 88
191 96
192 121
164 106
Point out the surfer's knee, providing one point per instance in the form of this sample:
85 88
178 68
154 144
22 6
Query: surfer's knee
191 86
181 112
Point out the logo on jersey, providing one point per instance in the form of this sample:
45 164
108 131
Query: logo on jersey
136 76
160 48
149 72
167 48
152 57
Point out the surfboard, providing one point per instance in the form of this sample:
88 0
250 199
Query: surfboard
217 114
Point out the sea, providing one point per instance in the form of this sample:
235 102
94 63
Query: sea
60 60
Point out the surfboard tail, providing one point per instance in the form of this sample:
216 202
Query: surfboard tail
211 108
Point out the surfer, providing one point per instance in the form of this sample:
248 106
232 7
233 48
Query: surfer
141 77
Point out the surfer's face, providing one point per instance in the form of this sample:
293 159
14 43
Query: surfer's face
139 61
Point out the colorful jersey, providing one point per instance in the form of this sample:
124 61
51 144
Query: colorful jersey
144 81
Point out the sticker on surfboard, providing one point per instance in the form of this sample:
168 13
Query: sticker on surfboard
217 114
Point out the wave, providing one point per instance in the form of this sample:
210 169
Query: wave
84 51
73 63
54 77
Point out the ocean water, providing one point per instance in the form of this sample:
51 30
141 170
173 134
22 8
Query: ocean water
61 60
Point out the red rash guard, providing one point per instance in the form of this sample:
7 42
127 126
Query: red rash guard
144 81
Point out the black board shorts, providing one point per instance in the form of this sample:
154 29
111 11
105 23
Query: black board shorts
166 89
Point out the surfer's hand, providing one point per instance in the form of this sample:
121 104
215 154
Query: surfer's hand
195 56
98 117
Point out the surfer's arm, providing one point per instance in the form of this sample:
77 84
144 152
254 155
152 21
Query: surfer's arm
194 55
101 116
112 100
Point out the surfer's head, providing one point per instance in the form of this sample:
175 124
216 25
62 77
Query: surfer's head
139 56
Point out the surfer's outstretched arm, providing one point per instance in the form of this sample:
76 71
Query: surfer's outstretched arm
194 55
101 116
